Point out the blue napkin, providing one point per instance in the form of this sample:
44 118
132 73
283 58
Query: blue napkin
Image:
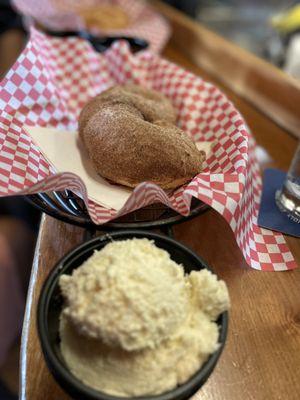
270 217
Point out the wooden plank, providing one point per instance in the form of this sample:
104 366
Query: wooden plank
260 360
265 86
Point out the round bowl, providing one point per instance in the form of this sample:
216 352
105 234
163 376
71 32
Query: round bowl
51 302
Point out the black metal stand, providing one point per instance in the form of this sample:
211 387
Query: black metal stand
68 207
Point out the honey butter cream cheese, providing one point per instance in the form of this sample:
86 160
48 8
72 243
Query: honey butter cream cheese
130 294
134 324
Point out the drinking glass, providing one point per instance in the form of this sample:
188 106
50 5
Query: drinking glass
288 197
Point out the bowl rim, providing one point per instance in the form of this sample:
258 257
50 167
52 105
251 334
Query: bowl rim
62 374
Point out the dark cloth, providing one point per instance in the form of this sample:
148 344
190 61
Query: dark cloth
5 393
9 18
188 6
18 207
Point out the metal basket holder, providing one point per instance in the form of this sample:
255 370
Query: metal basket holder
68 207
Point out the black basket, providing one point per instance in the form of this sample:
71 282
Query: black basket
99 43
68 207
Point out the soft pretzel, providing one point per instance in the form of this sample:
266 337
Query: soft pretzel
131 137
105 17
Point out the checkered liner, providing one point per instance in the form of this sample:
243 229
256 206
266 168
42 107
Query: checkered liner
61 15
52 80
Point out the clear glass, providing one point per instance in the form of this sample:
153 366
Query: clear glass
288 198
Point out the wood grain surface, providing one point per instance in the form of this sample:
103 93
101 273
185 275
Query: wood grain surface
271 90
261 359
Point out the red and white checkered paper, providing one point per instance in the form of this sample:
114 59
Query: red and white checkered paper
51 81
146 23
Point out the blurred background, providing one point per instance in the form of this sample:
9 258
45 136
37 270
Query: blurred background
270 29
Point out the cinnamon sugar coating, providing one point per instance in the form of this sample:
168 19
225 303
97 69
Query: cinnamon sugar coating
131 137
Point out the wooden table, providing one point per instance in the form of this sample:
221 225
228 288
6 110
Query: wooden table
261 360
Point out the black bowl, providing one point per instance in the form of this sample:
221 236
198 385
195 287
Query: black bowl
50 305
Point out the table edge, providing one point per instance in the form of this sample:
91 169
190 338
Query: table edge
27 314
